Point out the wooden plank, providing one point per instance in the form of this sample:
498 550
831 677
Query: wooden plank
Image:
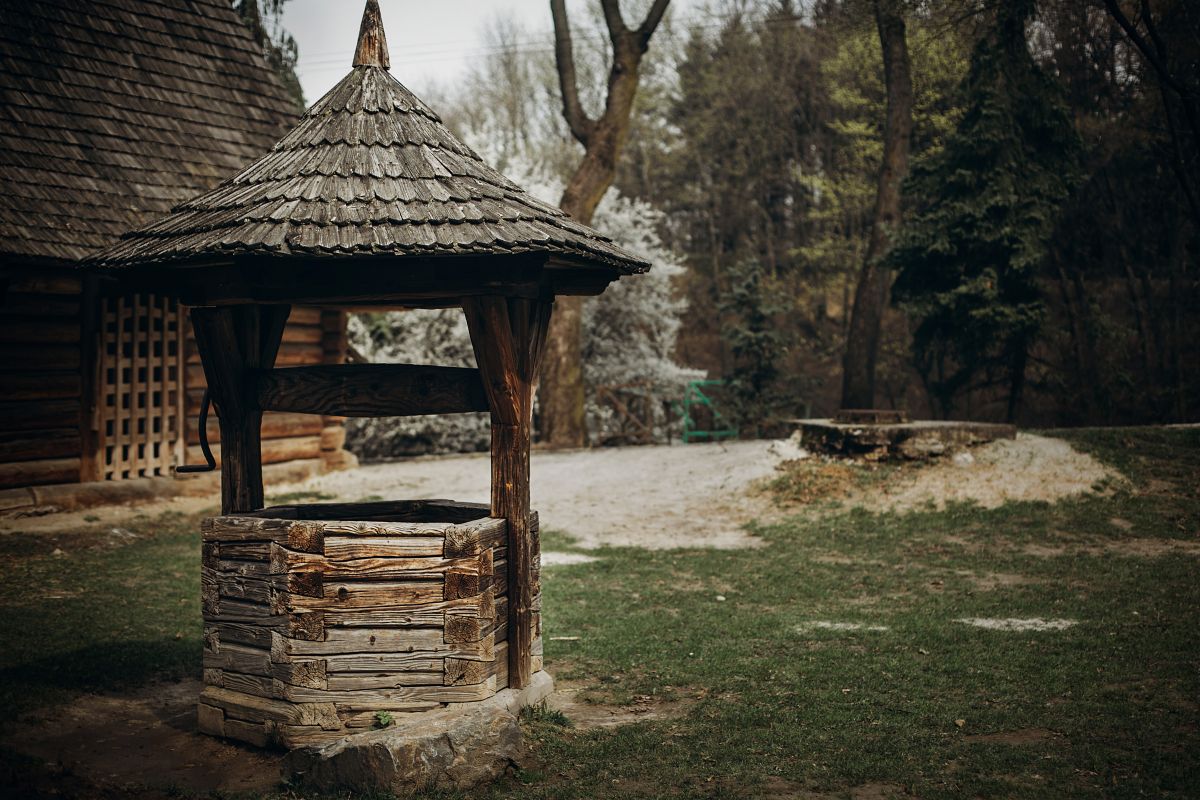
304 315
372 390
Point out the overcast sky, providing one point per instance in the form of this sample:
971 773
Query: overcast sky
431 41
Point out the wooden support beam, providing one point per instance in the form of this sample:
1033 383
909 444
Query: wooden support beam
234 342
508 336
371 390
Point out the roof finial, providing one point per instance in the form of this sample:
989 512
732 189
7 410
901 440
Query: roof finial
372 42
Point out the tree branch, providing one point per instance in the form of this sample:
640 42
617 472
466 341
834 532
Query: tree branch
612 18
1143 46
653 17
564 56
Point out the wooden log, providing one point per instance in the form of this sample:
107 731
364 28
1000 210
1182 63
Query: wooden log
36 445
371 390
428 615
45 283
354 595
305 316
274 426
26 304
258 709
239 658
302 334
271 451
39 330
386 662
365 640
39 357
388 699
284 561
295 355
40 386
35 473
33 415
362 681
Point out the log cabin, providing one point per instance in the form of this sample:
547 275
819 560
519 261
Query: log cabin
111 113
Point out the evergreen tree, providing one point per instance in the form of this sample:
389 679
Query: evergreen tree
968 263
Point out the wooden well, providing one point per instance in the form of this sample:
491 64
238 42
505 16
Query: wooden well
319 619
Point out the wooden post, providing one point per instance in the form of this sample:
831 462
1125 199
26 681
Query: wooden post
508 336
91 423
233 342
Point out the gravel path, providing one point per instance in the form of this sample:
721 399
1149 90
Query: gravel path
657 497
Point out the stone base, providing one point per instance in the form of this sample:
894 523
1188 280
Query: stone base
905 440
454 748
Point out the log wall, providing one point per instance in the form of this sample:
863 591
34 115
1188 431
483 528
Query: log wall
52 363
314 626
312 336
40 379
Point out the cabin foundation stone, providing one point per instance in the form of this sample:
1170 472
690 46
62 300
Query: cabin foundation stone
452 749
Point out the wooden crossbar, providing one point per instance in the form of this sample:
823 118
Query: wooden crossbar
371 390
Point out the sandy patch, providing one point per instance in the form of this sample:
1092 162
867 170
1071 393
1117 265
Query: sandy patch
554 558
1028 468
657 497
568 699
1018 624
826 625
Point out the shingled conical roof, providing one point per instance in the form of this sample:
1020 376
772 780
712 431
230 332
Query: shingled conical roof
369 170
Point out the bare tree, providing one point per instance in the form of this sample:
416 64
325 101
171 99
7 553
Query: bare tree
561 395
874 282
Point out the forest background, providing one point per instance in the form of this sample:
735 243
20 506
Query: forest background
1041 264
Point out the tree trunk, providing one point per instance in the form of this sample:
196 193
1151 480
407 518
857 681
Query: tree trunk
875 281
561 393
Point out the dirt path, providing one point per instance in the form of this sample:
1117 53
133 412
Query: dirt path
656 497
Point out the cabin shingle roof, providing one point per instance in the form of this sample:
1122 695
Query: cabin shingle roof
113 111
369 170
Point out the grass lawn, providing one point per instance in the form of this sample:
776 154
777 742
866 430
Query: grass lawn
757 700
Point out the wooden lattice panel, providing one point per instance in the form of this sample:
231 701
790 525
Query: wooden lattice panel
142 386
312 627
